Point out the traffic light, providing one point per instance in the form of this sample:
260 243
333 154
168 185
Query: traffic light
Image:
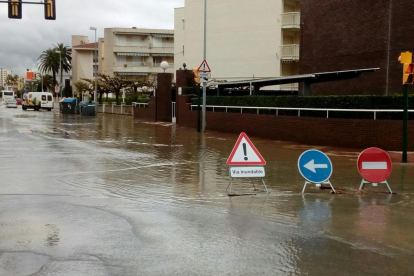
15 9
196 78
50 9
408 77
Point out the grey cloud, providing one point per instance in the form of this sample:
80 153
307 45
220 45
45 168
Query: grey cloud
22 41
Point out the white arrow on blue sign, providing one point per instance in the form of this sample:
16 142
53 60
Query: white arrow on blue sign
315 166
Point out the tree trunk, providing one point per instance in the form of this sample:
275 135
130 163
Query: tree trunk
117 96
100 97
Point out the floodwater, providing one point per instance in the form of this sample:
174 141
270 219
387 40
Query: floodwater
110 196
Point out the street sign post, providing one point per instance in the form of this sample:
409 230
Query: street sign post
316 167
375 167
245 161
204 68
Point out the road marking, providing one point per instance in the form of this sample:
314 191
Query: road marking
374 165
312 166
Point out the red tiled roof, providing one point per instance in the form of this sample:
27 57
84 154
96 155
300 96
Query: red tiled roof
87 46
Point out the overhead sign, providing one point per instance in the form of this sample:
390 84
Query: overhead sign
245 153
374 165
315 166
247 172
204 75
204 67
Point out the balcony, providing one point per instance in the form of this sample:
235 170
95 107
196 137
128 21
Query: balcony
164 45
290 52
133 44
142 67
291 20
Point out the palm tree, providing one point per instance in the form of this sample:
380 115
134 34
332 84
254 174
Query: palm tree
66 59
49 62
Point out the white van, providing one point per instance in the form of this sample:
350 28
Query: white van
37 101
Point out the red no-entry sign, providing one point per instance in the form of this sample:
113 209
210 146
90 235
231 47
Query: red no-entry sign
374 165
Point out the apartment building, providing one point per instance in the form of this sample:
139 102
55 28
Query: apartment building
135 53
4 72
350 34
84 62
245 39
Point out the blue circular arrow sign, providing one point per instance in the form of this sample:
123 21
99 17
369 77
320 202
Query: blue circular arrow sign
315 166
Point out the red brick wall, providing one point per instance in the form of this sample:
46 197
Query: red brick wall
351 34
147 114
348 133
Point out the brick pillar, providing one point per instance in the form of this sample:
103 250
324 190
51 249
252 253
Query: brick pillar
163 97
184 79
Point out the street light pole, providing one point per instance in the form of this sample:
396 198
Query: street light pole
203 127
96 75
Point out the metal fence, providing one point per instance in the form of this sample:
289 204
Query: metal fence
219 108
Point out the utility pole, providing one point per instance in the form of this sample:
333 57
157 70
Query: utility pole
406 60
203 129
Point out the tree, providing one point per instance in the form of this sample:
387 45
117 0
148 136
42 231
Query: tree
114 84
66 59
49 62
83 86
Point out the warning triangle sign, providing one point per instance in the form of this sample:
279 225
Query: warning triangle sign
204 67
245 153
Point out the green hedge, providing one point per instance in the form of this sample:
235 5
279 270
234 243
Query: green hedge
128 100
339 102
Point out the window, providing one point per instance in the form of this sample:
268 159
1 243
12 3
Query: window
49 98
43 97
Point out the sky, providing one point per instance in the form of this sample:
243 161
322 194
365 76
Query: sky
23 41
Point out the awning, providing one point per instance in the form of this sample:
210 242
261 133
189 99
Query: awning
163 35
131 74
133 54
162 55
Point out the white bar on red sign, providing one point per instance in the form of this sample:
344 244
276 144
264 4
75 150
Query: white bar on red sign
374 165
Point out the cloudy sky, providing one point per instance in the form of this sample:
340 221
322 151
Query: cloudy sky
22 41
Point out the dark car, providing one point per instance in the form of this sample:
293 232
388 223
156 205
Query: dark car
19 101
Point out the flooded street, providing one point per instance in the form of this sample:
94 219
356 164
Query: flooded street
110 196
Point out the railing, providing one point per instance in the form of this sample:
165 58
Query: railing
141 105
291 20
164 45
134 64
289 86
290 51
141 64
170 65
327 110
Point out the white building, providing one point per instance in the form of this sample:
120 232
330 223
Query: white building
245 39
4 72
132 52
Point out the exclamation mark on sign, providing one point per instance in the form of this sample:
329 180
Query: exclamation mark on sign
245 152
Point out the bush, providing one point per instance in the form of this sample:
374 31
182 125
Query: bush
129 100
335 102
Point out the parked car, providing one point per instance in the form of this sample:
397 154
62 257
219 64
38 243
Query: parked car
19 101
11 103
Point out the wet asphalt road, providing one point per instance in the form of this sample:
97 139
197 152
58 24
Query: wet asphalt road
110 196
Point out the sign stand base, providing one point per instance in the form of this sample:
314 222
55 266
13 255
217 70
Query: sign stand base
231 185
363 182
318 185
